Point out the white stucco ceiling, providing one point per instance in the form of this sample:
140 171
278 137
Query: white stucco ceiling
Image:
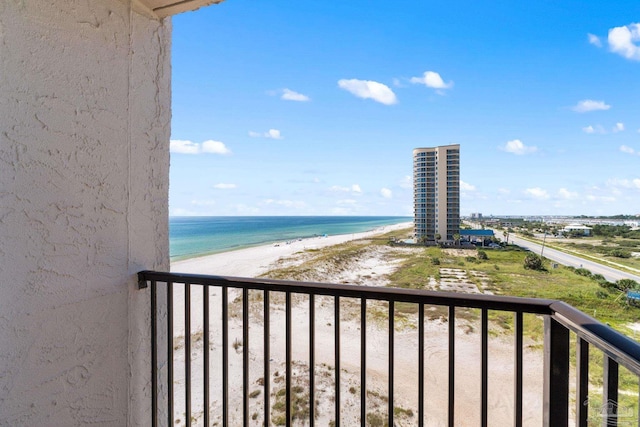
164 8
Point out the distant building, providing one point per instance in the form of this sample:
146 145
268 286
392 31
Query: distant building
473 235
577 228
436 192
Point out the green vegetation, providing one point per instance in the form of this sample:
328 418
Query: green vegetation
508 271
609 244
533 262
508 276
299 405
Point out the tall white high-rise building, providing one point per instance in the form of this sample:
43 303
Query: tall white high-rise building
436 192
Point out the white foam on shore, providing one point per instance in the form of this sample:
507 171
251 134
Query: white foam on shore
252 262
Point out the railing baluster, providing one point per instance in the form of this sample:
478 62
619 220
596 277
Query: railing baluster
205 343
610 391
154 354
336 313
420 365
556 374
245 356
170 352
452 364
484 363
187 353
391 358
363 361
312 360
225 357
267 358
518 368
288 358
582 384
559 320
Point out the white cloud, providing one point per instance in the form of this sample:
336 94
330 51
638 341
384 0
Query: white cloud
368 89
215 147
624 41
346 202
223 186
189 147
537 193
271 134
183 147
594 129
203 202
386 193
290 95
517 147
397 82
339 188
563 193
626 149
286 203
504 191
587 105
433 80
594 40
407 182
625 183
464 186
355 188
619 127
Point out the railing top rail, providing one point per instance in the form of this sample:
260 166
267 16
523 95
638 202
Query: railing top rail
491 302
617 346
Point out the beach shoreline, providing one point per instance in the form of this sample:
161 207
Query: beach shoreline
254 261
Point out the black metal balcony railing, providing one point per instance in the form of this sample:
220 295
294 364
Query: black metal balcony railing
559 320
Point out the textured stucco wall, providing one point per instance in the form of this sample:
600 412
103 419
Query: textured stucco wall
84 134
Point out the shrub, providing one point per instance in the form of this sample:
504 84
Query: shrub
471 259
482 255
533 262
620 253
582 272
435 261
626 284
608 285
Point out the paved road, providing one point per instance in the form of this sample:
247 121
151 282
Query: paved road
610 273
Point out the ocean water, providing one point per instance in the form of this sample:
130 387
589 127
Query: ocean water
191 237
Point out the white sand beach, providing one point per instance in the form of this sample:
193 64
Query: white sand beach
371 268
252 262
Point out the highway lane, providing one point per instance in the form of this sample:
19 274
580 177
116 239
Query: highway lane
610 273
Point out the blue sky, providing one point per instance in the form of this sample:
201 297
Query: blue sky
314 108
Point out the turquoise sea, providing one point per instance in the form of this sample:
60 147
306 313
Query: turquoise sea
191 237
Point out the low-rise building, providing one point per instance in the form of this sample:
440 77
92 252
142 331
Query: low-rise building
577 229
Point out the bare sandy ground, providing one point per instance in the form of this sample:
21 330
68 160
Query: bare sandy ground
372 269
